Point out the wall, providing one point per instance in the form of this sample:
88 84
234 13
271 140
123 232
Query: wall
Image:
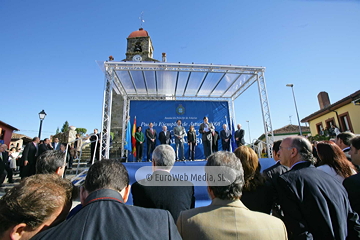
7 135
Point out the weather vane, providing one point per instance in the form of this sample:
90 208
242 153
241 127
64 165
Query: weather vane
141 19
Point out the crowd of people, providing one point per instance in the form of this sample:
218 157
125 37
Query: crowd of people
300 197
209 137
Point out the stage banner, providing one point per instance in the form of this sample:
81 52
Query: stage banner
166 113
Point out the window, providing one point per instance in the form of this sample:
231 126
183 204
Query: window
345 122
319 128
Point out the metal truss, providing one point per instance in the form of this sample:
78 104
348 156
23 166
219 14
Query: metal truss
113 82
106 115
269 134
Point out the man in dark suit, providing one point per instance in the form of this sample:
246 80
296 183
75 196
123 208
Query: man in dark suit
56 144
44 147
105 191
28 159
150 134
277 169
4 158
163 191
239 136
207 130
343 141
315 204
352 183
271 174
164 136
225 136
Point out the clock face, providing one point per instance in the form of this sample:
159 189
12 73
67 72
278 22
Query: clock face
137 58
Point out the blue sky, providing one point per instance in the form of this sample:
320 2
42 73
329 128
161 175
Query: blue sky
49 49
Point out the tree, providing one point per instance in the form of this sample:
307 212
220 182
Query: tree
81 131
65 127
57 130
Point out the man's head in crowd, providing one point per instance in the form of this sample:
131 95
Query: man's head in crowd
46 141
56 140
3 147
164 128
229 160
343 139
36 140
178 122
51 162
206 120
38 202
106 174
239 126
96 131
163 157
275 149
295 149
151 125
355 150
224 126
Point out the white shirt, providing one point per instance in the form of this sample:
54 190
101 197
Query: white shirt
329 170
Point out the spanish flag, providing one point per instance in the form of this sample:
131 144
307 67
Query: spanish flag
133 140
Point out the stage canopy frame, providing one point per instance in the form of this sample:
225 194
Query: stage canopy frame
178 81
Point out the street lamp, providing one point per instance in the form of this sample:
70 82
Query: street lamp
42 116
249 130
297 114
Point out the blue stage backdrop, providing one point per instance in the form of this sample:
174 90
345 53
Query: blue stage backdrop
162 113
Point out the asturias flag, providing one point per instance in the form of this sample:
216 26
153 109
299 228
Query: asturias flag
133 140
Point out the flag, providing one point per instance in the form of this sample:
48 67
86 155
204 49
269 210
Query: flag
133 140
128 137
233 142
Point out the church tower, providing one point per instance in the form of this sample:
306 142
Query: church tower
139 47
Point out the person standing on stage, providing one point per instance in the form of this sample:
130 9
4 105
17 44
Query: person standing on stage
179 133
151 140
225 136
191 138
164 136
139 137
239 136
207 130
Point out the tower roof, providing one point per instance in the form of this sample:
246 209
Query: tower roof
139 33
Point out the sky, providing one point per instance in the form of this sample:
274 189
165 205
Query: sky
49 49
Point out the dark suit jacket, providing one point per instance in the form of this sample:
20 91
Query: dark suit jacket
206 136
164 139
42 148
150 135
275 171
5 157
240 135
29 154
57 147
315 205
352 186
170 196
104 216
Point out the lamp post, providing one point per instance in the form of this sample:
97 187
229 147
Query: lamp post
42 116
249 130
297 114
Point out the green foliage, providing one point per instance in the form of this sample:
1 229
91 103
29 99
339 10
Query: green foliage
318 138
81 131
57 130
65 127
